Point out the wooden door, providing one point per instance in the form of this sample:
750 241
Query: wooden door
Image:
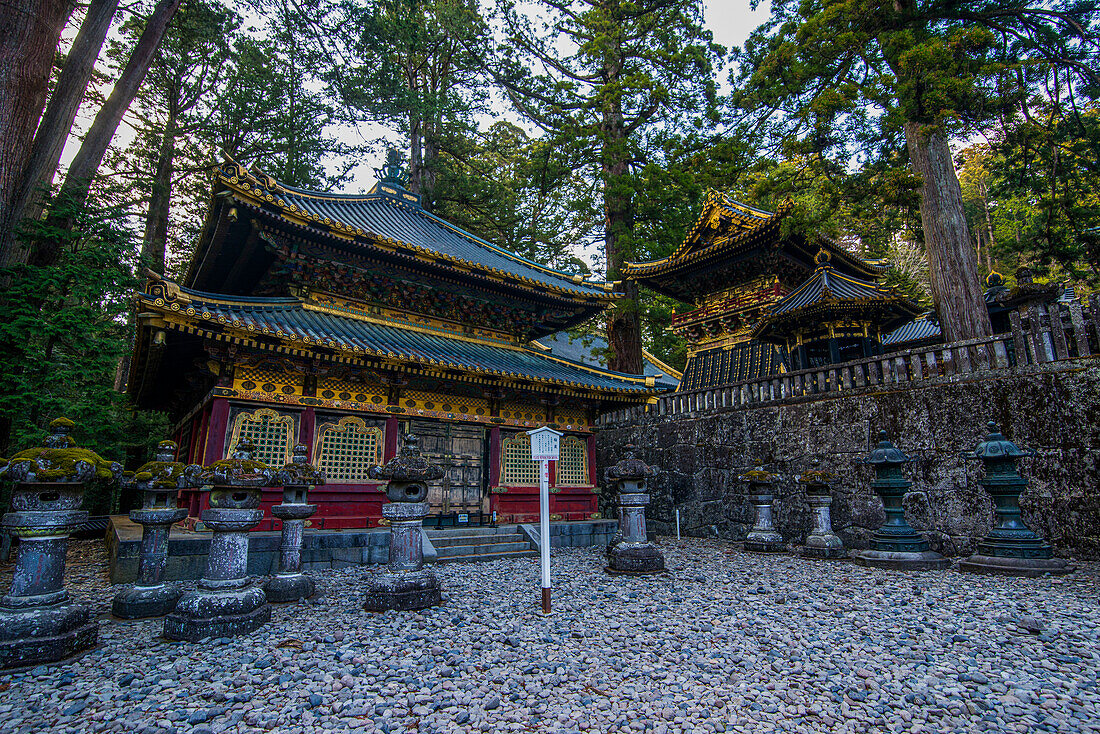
461 451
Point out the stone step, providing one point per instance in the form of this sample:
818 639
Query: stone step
471 530
480 549
489 556
463 540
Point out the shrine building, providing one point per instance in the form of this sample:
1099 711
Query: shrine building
765 302
344 321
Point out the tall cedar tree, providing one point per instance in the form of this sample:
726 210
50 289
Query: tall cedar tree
851 78
57 121
415 70
629 67
29 33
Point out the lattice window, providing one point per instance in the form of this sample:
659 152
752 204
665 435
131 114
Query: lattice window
270 432
572 462
347 448
515 459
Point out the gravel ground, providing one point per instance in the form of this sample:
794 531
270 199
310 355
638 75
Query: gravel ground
725 642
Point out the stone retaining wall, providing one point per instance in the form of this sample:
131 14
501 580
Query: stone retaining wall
1055 411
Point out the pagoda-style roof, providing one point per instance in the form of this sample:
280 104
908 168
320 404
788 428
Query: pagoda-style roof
302 329
591 349
830 295
731 242
263 237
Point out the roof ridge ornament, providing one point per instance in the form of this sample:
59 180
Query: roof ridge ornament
393 172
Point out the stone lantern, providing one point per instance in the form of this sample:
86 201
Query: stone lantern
1011 548
38 623
159 482
405 584
296 478
822 542
226 603
631 553
763 538
895 545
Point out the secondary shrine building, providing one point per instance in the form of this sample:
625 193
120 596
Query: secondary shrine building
765 302
344 321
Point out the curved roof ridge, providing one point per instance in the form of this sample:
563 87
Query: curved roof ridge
273 187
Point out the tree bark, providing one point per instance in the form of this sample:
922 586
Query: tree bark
624 328
953 264
29 33
154 244
57 122
78 179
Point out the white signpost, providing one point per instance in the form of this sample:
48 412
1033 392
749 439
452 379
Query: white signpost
545 443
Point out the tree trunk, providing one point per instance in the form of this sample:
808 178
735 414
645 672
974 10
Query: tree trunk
154 244
988 228
57 122
953 265
29 34
78 179
624 329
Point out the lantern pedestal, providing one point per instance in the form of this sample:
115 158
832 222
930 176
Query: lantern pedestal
225 603
1011 548
38 623
763 538
405 585
633 554
290 584
822 542
150 596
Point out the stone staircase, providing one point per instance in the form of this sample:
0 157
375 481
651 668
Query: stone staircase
481 544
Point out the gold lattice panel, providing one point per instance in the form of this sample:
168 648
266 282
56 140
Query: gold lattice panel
515 459
347 448
256 379
572 466
269 431
330 388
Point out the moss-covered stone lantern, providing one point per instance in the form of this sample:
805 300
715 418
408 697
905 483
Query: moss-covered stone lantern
159 482
1011 548
631 552
38 622
822 542
895 545
763 538
296 478
225 602
405 584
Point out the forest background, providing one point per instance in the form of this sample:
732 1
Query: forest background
578 133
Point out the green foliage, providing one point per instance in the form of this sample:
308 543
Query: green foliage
63 338
1031 195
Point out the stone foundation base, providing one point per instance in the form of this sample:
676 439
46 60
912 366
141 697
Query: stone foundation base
223 613
39 635
281 589
401 591
901 561
634 560
764 546
142 602
828 552
1016 566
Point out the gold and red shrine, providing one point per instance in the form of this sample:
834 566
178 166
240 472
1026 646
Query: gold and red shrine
736 267
342 321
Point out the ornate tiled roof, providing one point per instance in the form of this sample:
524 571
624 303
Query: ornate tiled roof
736 227
828 291
923 327
392 217
298 327
588 349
